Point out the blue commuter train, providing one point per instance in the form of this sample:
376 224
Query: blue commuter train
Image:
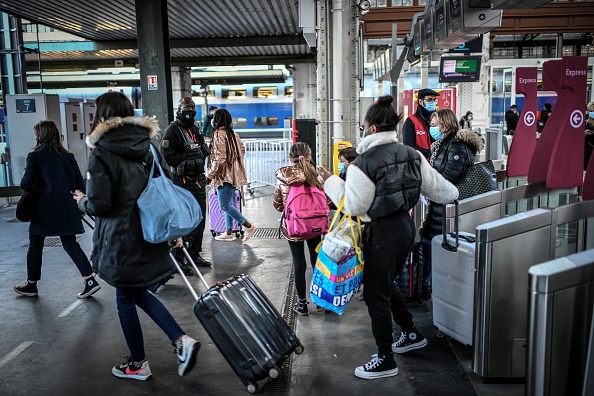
258 110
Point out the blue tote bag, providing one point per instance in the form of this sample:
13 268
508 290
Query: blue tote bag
167 212
334 283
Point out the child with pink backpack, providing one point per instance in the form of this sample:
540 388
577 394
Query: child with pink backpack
299 195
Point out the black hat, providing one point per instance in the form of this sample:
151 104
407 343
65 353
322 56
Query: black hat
426 91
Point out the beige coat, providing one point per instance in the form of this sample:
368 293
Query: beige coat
225 166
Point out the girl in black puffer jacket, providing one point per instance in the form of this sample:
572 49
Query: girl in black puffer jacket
451 156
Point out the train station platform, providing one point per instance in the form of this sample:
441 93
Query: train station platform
56 344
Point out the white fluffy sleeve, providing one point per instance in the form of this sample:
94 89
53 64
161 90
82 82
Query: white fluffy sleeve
434 186
359 191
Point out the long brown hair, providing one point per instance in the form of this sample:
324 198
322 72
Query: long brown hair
47 131
300 155
222 120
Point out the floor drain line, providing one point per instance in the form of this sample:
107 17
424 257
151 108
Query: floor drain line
280 386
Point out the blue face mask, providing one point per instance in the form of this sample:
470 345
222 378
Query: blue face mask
341 167
591 114
435 133
430 106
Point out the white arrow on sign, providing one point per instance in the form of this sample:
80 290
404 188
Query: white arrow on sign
576 119
529 118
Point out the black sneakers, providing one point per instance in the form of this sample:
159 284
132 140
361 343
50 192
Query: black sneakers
186 269
301 308
91 287
135 370
409 341
186 348
27 289
378 367
201 262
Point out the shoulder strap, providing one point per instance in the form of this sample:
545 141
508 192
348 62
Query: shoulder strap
183 133
155 160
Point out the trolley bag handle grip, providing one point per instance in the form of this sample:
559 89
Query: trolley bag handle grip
444 243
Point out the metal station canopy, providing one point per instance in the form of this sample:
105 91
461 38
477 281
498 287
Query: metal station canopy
202 32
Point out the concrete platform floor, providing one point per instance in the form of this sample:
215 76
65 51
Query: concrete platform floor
55 344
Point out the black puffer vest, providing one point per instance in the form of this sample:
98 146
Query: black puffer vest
395 170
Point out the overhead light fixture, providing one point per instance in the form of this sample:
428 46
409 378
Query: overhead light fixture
364 6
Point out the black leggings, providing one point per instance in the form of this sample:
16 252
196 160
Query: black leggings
299 263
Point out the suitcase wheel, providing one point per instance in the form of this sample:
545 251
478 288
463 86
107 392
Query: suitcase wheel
252 387
299 349
213 233
438 333
274 372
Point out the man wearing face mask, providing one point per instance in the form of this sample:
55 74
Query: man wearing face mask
185 151
207 121
415 131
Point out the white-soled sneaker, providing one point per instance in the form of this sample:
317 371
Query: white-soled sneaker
226 237
249 232
186 348
378 367
409 341
135 370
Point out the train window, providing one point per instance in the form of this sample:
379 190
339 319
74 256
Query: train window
289 91
234 93
265 121
240 122
265 92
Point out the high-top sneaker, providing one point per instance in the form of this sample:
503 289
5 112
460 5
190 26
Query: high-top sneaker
91 287
27 289
409 341
380 366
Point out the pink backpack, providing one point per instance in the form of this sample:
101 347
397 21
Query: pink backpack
306 212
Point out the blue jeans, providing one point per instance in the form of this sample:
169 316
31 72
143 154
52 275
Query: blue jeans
226 192
35 252
127 299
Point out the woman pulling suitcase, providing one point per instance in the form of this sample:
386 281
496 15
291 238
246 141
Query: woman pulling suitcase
119 168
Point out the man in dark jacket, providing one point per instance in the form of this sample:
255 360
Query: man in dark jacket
207 122
185 151
415 131
511 119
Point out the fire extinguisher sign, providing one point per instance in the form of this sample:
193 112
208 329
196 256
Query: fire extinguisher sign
152 83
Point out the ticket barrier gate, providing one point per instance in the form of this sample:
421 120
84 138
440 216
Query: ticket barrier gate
496 205
560 332
505 250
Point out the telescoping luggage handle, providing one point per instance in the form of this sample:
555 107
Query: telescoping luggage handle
444 243
184 277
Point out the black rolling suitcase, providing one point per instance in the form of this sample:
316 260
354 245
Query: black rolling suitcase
244 325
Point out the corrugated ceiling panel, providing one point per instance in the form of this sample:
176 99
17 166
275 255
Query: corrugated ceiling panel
95 20
112 20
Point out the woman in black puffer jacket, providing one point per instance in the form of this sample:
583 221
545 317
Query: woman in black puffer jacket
118 173
451 156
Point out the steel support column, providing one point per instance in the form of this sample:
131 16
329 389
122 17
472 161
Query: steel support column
154 59
181 83
338 85
304 90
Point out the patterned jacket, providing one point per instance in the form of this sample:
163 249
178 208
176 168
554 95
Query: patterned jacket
226 160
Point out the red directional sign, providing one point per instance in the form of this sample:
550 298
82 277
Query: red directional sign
524 141
566 168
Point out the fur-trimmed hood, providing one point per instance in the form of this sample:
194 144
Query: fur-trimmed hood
151 124
472 139
127 137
